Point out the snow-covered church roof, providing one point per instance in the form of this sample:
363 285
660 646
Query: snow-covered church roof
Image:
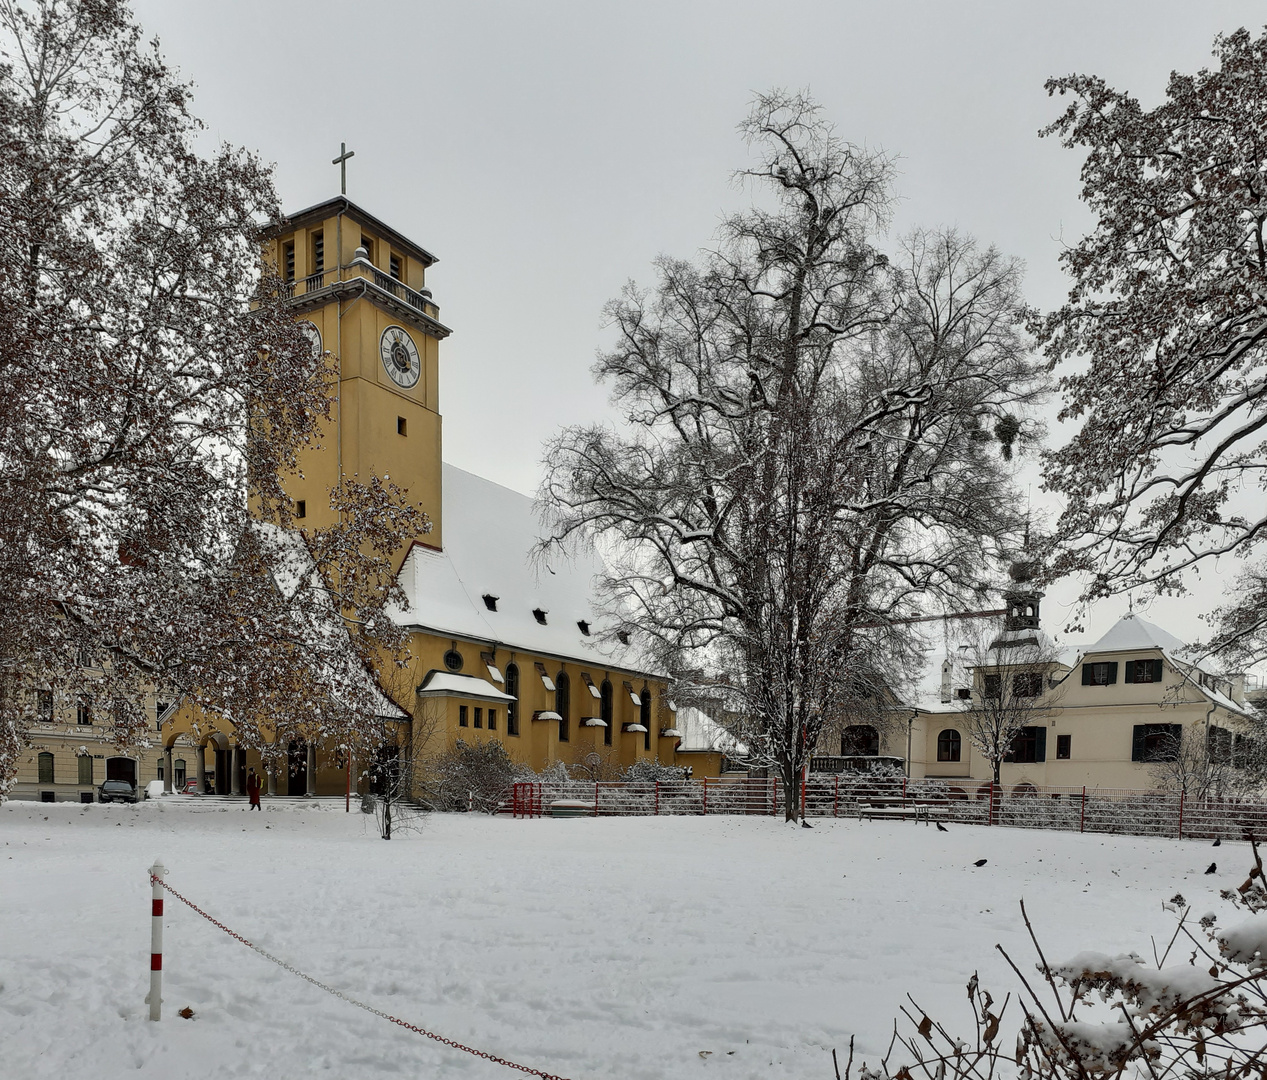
318 621
488 534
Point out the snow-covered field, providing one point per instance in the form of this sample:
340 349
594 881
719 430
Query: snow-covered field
621 948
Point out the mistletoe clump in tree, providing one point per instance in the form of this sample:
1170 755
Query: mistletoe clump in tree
1167 318
810 451
154 393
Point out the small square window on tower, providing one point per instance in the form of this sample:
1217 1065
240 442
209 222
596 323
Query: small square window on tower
393 265
301 508
400 425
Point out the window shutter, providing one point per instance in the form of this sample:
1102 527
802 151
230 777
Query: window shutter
1040 744
1086 674
1156 670
1112 673
1130 670
1137 742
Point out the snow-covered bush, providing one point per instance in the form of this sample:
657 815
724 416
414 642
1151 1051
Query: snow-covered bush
651 771
474 776
1203 1016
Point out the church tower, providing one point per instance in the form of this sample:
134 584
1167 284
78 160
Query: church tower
359 289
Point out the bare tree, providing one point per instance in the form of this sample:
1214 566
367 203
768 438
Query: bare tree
155 392
811 439
1013 691
1207 762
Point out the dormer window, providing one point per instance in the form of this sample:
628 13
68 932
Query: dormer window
583 627
490 601
622 636
539 615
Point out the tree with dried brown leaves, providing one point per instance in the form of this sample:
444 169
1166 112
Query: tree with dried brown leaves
1164 336
154 393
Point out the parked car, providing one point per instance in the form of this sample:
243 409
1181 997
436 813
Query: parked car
120 791
191 786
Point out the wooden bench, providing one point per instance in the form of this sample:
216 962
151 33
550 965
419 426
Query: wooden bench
897 810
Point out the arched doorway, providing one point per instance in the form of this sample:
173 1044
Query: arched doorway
297 768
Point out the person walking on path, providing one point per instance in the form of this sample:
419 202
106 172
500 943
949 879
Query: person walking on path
253 789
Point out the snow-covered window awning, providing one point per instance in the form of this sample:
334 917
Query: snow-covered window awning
546 681
632 696
670 733
546 714
595 692
494 672
634 727
593 721
448 684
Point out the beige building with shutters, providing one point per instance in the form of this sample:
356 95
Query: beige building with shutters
1107 716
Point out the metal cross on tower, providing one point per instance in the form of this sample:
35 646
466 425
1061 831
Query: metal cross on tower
342 162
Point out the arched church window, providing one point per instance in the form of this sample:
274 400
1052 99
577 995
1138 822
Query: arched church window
512 707
605 710
563 704
644 717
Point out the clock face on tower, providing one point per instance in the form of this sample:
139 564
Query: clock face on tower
400 357
310 331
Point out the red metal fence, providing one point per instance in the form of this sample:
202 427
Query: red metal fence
1104 810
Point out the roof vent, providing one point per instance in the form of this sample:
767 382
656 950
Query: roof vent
539 615
583 626
490 601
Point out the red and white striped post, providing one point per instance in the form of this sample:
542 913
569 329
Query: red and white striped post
157 872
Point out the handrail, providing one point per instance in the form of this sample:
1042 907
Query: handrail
420 301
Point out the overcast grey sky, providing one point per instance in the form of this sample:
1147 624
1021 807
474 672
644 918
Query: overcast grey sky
547 152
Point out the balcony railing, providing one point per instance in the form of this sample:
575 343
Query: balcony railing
420 301
401 291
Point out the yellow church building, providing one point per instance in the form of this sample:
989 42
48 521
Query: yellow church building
502 648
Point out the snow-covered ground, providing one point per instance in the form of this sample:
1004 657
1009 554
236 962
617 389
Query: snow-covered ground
621 948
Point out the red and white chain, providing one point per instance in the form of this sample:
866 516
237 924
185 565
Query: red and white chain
351 1000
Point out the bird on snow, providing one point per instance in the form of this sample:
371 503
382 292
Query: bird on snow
979 862
941 827
1216 843
1212 868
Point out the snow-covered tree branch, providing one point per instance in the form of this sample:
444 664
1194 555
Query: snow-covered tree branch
809 453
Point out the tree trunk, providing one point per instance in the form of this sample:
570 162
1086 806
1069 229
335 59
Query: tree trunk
791 791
